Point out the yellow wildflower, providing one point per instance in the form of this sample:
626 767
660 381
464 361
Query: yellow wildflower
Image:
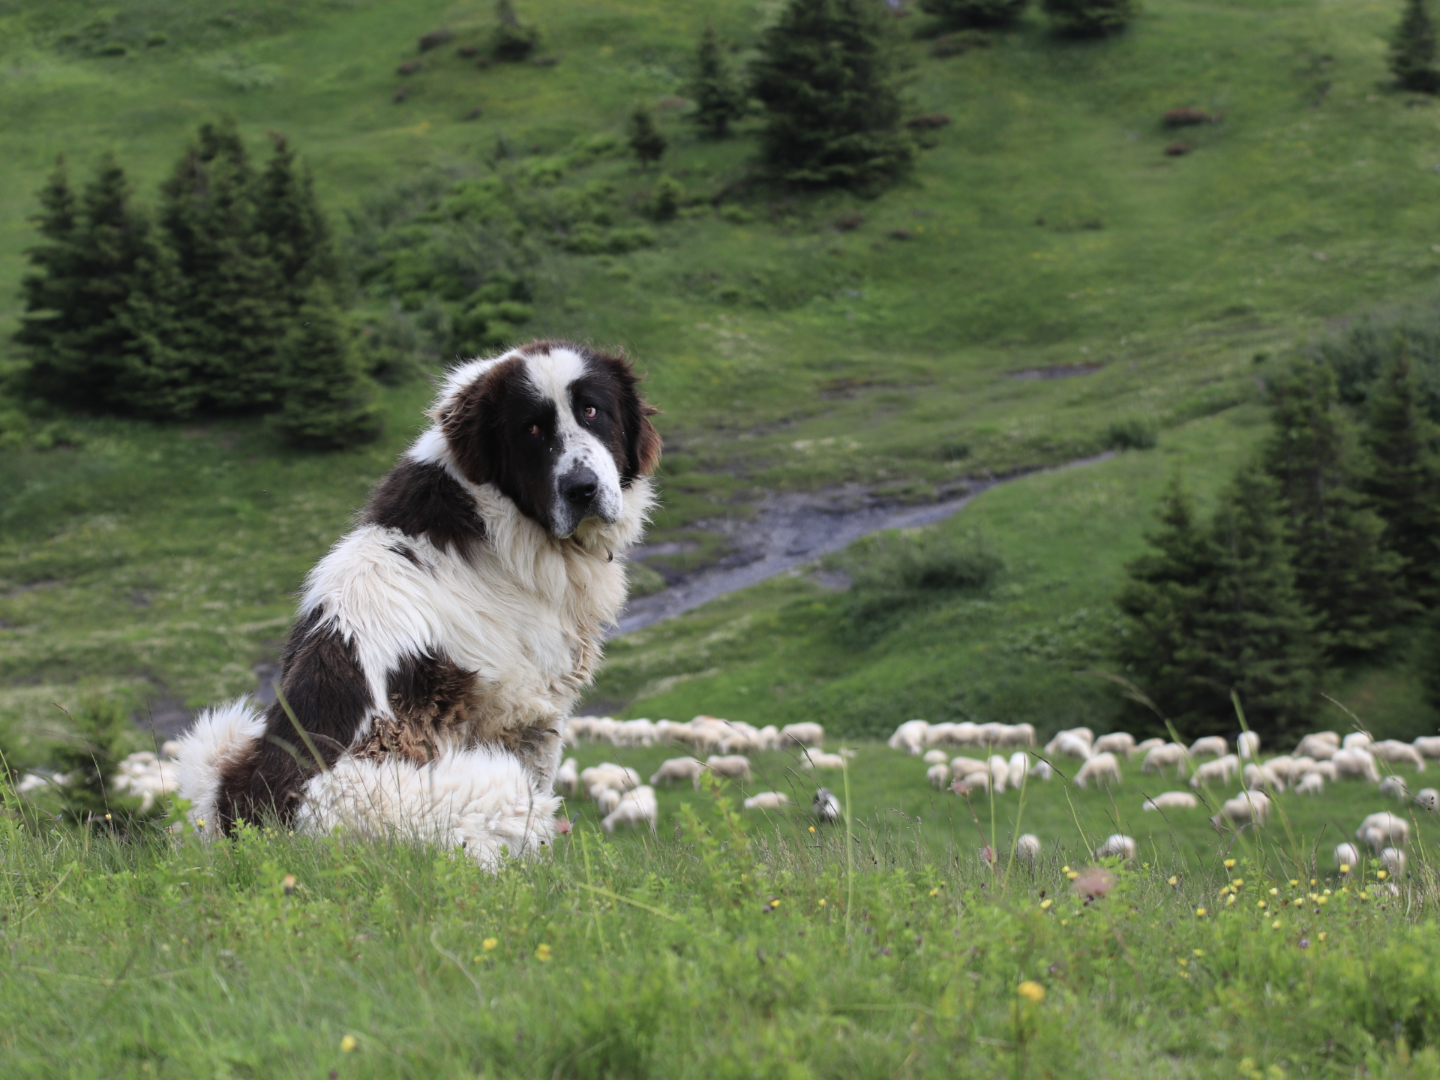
1344 868
1200 911
489 943
1199 952
542 953
349 1043
1229 900
1322 935
812 828
1174 881
1072 875
1275 925
934 892
1381 875
1184 962
1064 869
1238 882
1031 991
1045 904
1274 892
1261 905
822 901
1229 864
1294 884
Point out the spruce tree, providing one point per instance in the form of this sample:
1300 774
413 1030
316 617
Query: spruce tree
647 142
975 13
826 79
1343 572
1412 50
1091 18
328 402
1403 477
288 216
719 102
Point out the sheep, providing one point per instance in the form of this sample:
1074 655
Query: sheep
975 781
1247 806
768 738
1117 845
1347 857
939 776
1355 761
1428 745
1041 770
1146 746
1214 745
1323 768
999 770
1218 771
567 778
1248 743
1019 765
1021 735
731 766
633 733
825 807
1171 800
1311 783
637 807
767 800
679 768
1027 848
1396 752
1356 740
145 776
948 734
910 737
1163 756
1393 860
1069 744
1101 768
1428 799
1320 745
963 766
1117 742
1260 777
1394 787
610 775
1383 829
936 757
804 734
606 798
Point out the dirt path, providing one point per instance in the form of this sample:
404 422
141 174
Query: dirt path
791 530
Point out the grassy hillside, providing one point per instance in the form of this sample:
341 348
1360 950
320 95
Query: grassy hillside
1045 232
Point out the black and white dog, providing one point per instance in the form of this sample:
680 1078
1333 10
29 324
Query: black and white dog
441 645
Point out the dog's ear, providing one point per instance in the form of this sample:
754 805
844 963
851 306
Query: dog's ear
642 441
470 420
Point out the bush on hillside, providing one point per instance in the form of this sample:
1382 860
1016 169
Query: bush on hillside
1361 354
975 13
511 40
1412 50
647 142
89 757
1131 434
959 43
719 100
899 572
1091 18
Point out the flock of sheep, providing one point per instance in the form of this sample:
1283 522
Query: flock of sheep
1321 757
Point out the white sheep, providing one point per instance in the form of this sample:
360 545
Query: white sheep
1218 771
1171 800
1117 742
1019 766
1355 761
1248 743
1117 845
1146 746
1027 848
1164 756
1102 768
730 766
1393 787
1320 745
1428 799
910 737
606 798
679 768
1070 744
803 734
1396 753
1428 745
1347 857
1021 735
1393 860
999 770
567 778
1323 768
1311 783
768 738
767 800
1247 806
1356 740
825 806
939 776
1213 745
610 775
1041 770
964 766
976 781
949 734
811 760
936 757
1286 767
1383 829
1260 777
638 807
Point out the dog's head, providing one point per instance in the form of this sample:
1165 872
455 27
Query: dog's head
559 428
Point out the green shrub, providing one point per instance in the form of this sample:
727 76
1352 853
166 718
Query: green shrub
1091 18
899 572
647 142
1366 349
981 13
1131 434
666 198
510 40
1412 50
89 757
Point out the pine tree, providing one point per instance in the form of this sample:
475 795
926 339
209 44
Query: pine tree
74 331
1091 18
288 216
718 101
647 142
1412 50
1403 477
1343 572
89 759
1428 657
975 13
826 79
328 402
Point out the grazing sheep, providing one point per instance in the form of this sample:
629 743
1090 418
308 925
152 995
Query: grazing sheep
804 734
1311 783
1116 742
1248 743
1027 848
825 807
1171 800
1383 829
606 798
910 737
1070 744
767 800
964 766
1396 752
999 770
1146 746
768 738
811 760
936 757
947 734
1163 756
1019 766
1041 770
1320 745
1218 771
1021 735
1428 745
637 807
730 766
609 775
567 778
145 776
1356 762
1247 806
1323 768
1260 777
1356 740
975 781
1347 857
1283 766
939 776
1428 799
1214 745
1393 860
1394 787
1117 845
1103 768
679 768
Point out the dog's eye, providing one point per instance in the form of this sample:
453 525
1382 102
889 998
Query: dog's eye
589 412
535 430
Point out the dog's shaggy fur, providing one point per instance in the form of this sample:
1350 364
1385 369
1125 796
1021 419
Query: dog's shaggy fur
441 645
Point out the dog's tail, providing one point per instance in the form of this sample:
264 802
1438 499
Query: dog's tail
220 736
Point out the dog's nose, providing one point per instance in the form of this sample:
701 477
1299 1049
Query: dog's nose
578 487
